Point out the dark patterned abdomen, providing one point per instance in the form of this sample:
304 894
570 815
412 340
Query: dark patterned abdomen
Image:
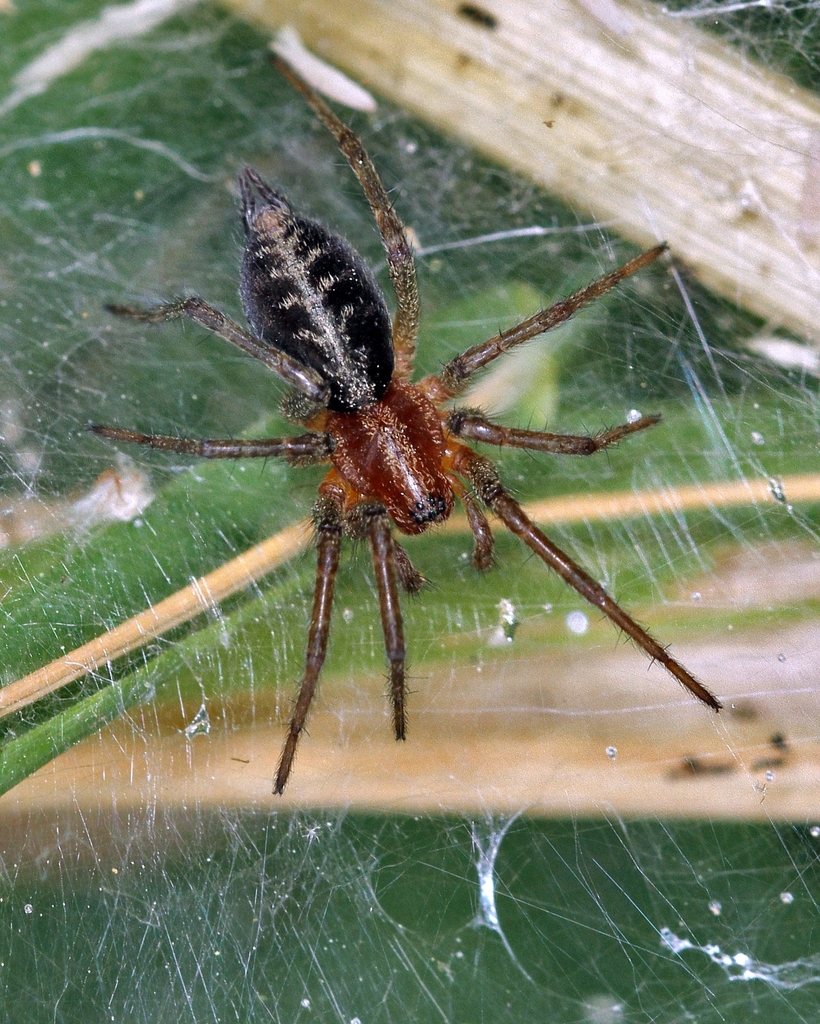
308 293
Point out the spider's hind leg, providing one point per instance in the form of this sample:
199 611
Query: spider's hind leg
400 262
306 380
456 375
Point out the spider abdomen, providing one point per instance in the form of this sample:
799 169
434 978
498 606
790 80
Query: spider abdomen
392 451
307 292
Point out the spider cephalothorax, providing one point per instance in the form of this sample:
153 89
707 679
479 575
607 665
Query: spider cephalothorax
321 323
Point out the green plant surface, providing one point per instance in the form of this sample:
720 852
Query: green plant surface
351 916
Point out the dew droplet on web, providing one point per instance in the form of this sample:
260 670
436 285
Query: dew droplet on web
577 623
602 1009
200 724
504 633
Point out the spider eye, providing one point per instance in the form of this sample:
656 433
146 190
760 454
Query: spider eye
429 509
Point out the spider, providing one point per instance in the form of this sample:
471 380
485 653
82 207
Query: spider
320 322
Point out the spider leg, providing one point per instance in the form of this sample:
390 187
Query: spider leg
384 565
482 473
196 309
473 426
483 550
400 263
329 538
304 450
456 374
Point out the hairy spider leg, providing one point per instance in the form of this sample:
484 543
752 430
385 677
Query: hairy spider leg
474 426
328 515
456 374
480 528
306 380
304 450
340 510
399 252
381 544
484 477
410 578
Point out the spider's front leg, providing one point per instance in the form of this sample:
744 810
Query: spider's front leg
372 521
484 478
328 519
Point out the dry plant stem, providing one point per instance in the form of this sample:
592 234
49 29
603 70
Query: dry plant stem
703 148
252 565
719 494
201 595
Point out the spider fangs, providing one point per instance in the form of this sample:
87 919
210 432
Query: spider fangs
320 322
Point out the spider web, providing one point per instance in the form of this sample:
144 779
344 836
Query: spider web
564 836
